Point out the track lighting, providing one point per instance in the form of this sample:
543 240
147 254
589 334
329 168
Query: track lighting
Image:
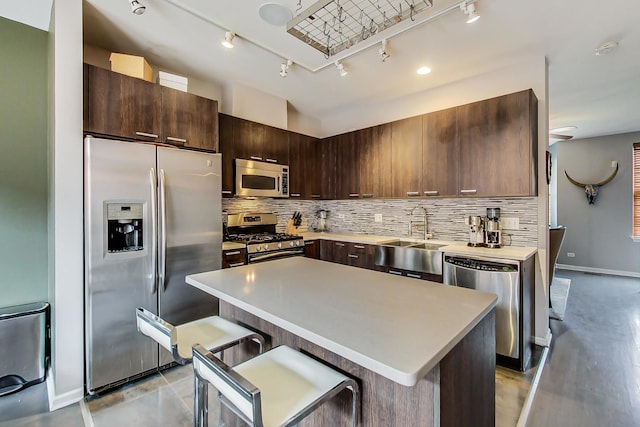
137 7
284 67
341 69
228 40
469 9
384 56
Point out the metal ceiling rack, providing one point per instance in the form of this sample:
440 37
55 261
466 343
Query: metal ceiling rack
332 26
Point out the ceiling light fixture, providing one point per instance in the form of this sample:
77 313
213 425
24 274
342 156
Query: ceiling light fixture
606 47
384 56
341 69
228 40
137 7
284 67
424 70
469 9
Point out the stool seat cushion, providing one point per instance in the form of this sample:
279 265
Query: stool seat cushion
210 332
289 381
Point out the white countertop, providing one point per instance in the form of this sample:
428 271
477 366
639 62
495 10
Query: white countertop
395 326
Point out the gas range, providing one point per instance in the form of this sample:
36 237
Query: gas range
258 232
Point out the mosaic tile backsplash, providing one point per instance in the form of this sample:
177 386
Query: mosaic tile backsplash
446 217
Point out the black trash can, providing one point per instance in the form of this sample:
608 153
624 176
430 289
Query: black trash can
24 346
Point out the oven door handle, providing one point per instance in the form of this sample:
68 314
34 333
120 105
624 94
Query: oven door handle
276 255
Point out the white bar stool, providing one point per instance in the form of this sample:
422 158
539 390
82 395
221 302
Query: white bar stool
277 388
213 333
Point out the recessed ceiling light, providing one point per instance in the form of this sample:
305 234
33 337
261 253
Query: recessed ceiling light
563 129
275 14
424 70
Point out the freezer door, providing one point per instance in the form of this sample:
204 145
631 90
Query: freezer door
118 185
190 237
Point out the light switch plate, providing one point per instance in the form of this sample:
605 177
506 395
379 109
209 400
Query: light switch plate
377 217
507 223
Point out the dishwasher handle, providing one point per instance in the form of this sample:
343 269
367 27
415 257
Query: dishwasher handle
483 264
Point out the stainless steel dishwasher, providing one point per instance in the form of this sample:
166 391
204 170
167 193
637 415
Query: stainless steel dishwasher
497 276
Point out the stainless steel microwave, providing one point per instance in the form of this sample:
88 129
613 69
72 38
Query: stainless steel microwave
261 179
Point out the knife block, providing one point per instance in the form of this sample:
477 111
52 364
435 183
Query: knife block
290 228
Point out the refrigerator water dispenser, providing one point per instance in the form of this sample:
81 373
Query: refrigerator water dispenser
124 227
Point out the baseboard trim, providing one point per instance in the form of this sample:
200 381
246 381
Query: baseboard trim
597 270
528 403
57 401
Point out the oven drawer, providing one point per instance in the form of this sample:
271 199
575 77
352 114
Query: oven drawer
234 258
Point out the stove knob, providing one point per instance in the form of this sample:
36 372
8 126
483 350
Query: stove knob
291 244
258 248
297 242
266 246
279 245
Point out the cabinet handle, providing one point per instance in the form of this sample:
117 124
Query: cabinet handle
178 140
474 191
358 246
397 273
354 195
309 243
315 196
232 253
236 264
413 193
352 256
272 160
147 135
415 276
340 244
367 195
255 158
431 193
294 195
227 192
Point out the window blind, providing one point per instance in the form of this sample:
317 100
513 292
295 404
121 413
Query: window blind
636 189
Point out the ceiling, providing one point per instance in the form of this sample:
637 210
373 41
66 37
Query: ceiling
598 94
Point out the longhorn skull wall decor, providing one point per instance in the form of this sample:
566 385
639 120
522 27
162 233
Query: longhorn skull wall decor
591 190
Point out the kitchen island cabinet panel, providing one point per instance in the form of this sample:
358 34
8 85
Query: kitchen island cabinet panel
189 120
498 146
406 157
440 153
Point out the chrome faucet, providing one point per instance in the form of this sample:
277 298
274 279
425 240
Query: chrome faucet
419 219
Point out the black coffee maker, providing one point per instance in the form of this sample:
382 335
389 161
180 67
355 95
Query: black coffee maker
492 228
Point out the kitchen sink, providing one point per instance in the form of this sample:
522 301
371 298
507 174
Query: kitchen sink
411 256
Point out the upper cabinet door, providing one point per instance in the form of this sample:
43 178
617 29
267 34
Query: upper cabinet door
440 153
248 139
225 125
498 146
406 157
374 161
312 153
296 165
120 105
347 170
275 148
189 120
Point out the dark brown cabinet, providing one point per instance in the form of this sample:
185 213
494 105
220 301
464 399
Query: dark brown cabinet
304 167
374 161
312 152
440 152
248 139
234 258
275 147
406 157
225 124
312 249
328 147
361 255
346 166
127 107
498 146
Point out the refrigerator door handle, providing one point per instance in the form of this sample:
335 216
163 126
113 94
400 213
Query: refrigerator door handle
162 231
154 227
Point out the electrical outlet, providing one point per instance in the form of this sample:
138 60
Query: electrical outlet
571 254
507 223
377 217
340 216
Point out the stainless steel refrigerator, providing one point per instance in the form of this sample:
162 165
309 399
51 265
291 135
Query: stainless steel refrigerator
152 215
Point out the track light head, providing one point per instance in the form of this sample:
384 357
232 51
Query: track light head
469 9
137 7
343 72
384 55
284 68
228 40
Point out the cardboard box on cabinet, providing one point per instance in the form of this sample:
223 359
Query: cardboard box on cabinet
134 66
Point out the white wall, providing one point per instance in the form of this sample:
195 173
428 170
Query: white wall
66 382
252 104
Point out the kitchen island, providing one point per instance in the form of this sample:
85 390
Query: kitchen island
424 353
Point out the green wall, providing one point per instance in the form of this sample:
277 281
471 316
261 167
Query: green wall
23 164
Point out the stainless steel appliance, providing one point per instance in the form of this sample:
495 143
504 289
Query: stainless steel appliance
492 228
152 214
476 231
261 179
497 276
258 232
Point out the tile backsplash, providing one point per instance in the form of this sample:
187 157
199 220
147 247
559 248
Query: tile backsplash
446 217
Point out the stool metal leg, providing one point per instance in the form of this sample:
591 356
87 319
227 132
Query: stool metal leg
200 401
